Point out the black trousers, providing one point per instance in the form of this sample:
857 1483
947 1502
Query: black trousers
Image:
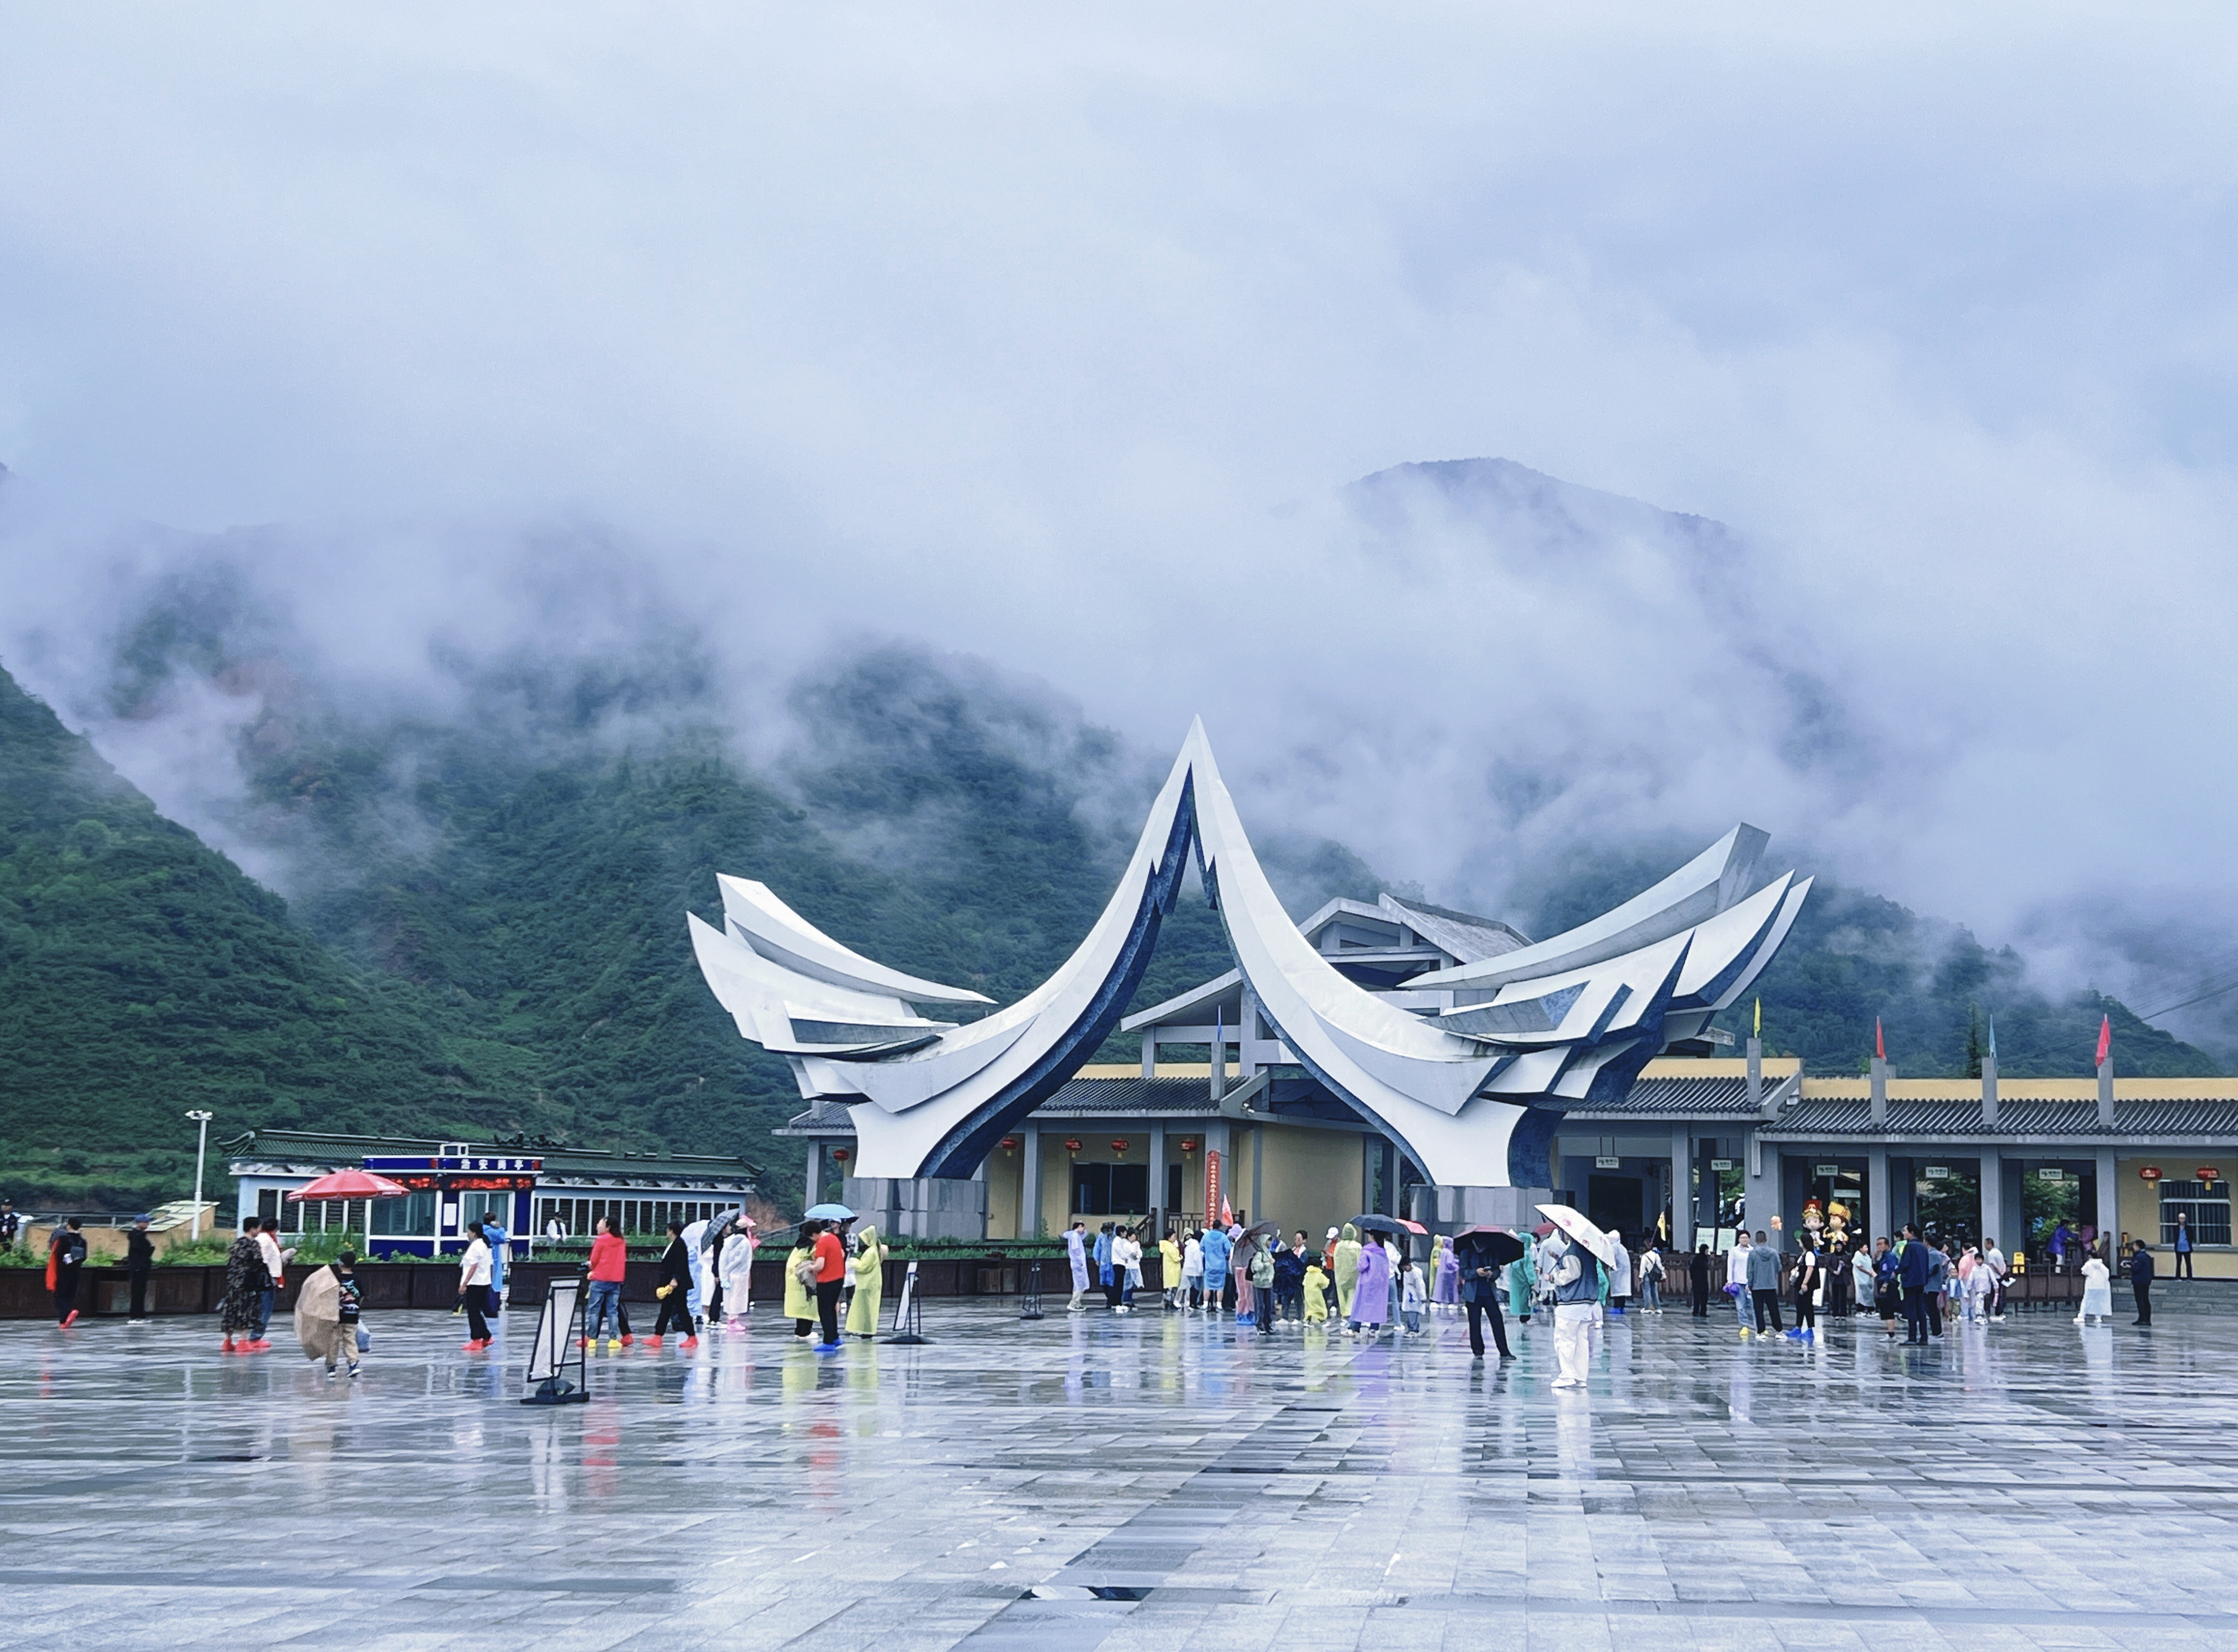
1806 1314
1478 1312
1935 1312
477 1324
2183 1265
1915 1314
139 1278
673 1312
65 1290
1767 1306
1702 1301
2144 1290
827 1307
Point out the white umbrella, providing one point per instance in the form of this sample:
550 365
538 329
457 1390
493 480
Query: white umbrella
1582 1231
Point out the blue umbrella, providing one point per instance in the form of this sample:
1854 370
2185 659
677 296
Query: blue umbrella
827 1213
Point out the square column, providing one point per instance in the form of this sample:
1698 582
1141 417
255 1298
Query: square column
1682 1195
1761 1189
1030 1191
814 1173
1880 1216
1160 1214
2109 1214
1992 1177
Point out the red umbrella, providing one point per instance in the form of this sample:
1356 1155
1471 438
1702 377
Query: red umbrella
350 1184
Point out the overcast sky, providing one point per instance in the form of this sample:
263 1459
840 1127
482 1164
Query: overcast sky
1050 336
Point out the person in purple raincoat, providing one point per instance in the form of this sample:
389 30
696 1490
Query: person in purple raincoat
1371 1294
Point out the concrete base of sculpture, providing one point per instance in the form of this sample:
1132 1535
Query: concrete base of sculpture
1448 1210
923 1207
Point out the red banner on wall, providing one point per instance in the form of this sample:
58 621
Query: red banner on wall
1211 1184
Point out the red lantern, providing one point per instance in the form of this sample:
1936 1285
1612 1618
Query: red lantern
1118 1144
1009 1144
2210 1173
1072 1144
1188 1144
2150 1173
839 1155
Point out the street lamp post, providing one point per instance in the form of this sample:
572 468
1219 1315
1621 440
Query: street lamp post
202 1151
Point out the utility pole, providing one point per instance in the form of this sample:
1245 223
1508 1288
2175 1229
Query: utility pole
202 1151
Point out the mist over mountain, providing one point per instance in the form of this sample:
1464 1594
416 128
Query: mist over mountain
488 829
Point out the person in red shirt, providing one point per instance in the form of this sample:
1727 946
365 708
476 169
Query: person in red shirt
609 1266
830 1276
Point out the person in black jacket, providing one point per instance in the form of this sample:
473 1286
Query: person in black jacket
1697 1278
674 1289
1481 1296
139 1257
2141 1281
70 1257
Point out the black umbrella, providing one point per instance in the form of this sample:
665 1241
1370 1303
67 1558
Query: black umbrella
1390 1224
719 1229
1496 1244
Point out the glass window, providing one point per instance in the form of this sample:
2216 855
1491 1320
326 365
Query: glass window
413 1215
2206 1203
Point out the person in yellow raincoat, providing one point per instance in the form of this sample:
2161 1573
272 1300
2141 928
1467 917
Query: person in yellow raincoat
1170 1270
799 1304
1316 1293
869 1268
1347 1270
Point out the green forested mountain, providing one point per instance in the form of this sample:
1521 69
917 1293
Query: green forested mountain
486 933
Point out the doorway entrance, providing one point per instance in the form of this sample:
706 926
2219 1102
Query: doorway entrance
1613 1203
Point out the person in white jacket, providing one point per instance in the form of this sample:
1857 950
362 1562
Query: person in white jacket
1127 1265
735 1268
1737 1263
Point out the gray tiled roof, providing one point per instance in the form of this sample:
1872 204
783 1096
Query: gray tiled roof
1679 1098
2203 1117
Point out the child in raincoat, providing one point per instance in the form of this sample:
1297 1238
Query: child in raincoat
800 1301
1410 1295
868 1267
1316 1294
1347 1272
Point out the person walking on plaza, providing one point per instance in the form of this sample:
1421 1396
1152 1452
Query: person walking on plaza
1170 1270
319 1325
1994 1259
870 1269
1697 1278
1523 1285
65 1259
1764 1284
1345 1270
1575 1274
1911 1274
275 1268
1102 1258
1445 1283
1861 1278
609 1266
1938 1286
2097 1292
246 1282
1650 1268
734 1268
1075 1251
1620 1292
497 1240
1737 1282
2182 1247
1192 1271
1217 1249
800 1280
1316 1293
1290 1279
2141 1281
1371 1290
1480 1296
1808 1276
139 1261
830 1276
1126 1266
673 1290
473 1290
1412 1296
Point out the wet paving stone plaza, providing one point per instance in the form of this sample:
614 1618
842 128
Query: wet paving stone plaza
1131 1482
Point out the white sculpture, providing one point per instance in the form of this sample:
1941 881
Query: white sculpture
1471 1092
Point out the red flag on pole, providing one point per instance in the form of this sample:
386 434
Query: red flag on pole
2105 1039
1880 1044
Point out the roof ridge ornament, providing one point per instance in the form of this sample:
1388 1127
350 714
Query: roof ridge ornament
1536 1029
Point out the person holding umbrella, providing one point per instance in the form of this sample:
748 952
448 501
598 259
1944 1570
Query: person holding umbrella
1479 1253
1579 1255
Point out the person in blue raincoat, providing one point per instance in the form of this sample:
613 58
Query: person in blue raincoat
1217 1248
1103 1265
1075 1251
